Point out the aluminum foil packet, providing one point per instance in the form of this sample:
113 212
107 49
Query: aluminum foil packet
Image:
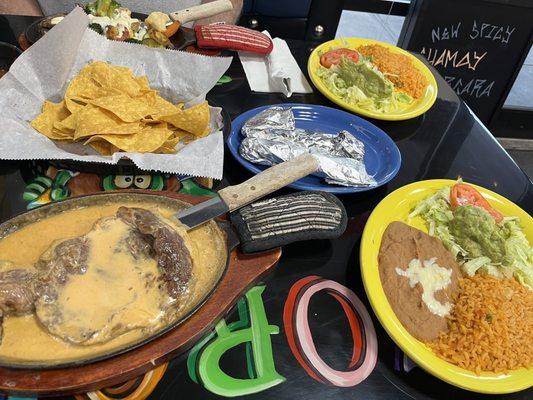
271 137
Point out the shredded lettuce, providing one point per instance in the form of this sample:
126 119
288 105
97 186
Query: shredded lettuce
472 266
518 252
518 258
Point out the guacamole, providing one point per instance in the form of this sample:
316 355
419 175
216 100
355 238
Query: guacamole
476 231
370 81
477 241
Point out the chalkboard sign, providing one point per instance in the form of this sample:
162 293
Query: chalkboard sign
478 46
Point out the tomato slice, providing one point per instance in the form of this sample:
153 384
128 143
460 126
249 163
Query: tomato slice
333 57
463 194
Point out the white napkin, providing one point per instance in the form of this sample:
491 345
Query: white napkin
276 73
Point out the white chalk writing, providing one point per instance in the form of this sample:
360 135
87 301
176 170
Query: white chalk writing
446 57
492 32
474 87
445 33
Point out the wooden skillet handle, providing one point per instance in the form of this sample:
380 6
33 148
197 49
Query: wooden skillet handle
202 11
268 181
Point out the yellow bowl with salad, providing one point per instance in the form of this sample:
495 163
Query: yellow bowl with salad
372 78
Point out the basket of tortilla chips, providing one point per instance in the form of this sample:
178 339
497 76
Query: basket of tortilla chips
111 110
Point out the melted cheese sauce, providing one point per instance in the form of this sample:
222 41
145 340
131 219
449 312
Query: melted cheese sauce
113 295
103 289
432 278
121 19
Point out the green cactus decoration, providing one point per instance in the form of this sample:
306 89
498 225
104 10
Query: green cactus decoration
42 189
224 79
190 186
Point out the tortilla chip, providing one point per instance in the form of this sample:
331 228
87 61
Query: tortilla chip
93 120
157 124
126 108
146 141
83 87
143 83
170 144
183 136
113 77
165 150
51 112
194 119
59 135
68 125
159 106
74 105
103 147
57 109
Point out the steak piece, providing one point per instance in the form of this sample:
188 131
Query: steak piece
17 293
21 289
64 259
54 268
173 257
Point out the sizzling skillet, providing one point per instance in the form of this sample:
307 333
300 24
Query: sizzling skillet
123 198
241 272
152 267
259 222
228 284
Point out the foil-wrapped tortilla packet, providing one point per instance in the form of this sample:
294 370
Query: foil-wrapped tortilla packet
271 137
271 118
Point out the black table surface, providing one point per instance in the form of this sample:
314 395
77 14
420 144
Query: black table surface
445 142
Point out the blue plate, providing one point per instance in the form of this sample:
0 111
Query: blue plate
382 157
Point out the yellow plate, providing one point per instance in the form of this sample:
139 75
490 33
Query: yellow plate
418 106
396 207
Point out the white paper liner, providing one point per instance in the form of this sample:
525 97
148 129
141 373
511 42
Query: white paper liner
44 70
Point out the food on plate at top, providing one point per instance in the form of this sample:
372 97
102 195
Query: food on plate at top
108 18
398 68
100 277
420 279
490 327
110 109
480 237
372 77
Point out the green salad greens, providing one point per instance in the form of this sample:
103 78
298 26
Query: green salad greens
362 84
478 243
101 8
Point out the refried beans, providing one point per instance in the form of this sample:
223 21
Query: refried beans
400 245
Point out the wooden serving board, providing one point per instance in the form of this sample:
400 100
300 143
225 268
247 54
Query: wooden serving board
243 272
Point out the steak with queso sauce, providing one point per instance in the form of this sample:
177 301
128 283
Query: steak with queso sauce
143 261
